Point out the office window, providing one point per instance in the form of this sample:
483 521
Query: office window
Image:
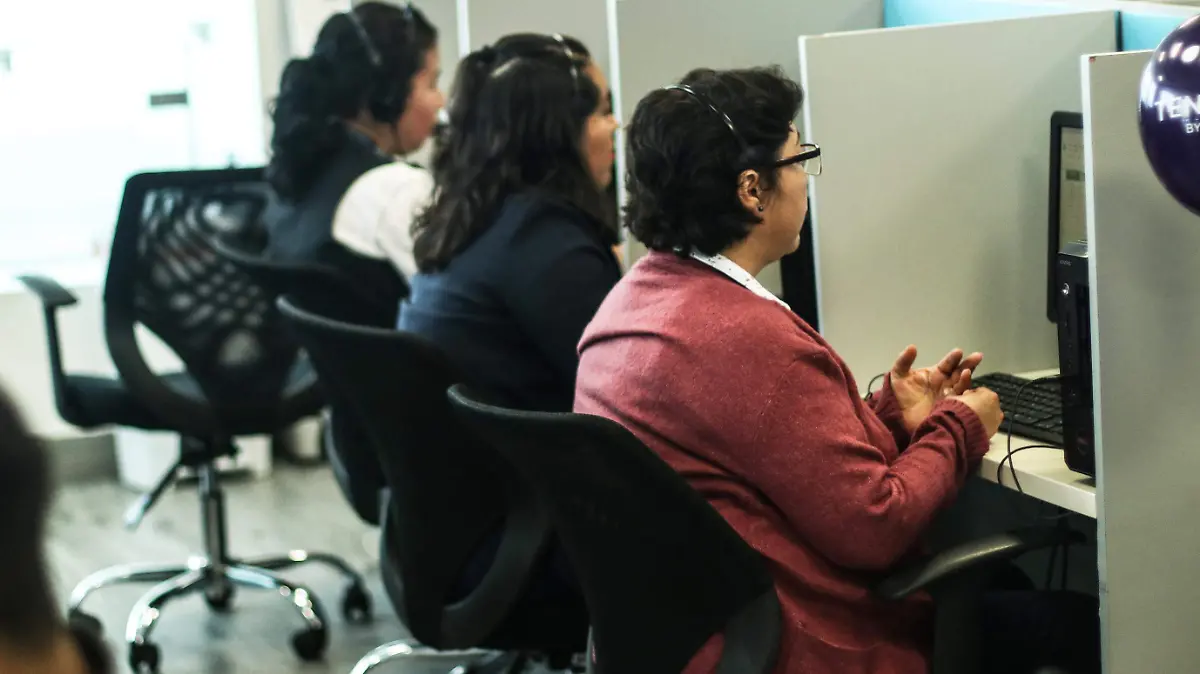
92 92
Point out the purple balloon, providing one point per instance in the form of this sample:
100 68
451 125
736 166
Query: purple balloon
1169 113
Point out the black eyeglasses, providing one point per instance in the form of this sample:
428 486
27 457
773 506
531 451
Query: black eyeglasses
809 156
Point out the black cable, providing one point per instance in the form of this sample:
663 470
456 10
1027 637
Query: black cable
871 384
1063 513
1065 546
1012 469
1008 431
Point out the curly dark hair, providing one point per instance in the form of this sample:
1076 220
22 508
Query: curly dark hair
515 121
684 162
365 62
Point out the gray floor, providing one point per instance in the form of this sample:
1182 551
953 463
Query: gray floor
295 508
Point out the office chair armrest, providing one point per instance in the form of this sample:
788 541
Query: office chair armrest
523 548
53 298
51 294
975 556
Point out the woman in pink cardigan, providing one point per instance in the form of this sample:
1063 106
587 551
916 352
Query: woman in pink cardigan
759 413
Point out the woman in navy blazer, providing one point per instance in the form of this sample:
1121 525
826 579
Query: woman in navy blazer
515 252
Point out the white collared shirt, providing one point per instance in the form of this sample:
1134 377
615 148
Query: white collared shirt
741 276
375 215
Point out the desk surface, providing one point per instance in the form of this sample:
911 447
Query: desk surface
1041 472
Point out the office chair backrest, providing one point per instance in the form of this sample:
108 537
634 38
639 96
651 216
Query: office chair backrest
325 291
319 288
448 491
661 570
164 273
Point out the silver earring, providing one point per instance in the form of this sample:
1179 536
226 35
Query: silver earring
760 208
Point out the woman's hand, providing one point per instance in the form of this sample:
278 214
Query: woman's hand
918 390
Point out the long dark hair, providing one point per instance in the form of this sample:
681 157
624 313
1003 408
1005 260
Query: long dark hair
516 118
362 62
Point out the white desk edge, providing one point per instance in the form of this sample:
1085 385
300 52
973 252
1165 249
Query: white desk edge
1042 472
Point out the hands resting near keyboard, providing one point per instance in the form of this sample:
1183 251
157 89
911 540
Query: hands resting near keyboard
917 390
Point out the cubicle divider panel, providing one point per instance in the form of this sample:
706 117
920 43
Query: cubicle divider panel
444 15
585 20
1143 23
1145 325
661 40
930 217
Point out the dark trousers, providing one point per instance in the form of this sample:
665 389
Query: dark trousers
1025 631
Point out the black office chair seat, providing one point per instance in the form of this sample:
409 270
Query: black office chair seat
94 401
91 401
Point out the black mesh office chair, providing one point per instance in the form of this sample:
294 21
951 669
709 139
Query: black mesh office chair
327 291
241 376
663 572
450 497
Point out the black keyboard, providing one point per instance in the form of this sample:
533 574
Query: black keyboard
1036 415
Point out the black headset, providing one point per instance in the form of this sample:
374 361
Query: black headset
385 98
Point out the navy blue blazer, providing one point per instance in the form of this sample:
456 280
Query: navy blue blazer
509 310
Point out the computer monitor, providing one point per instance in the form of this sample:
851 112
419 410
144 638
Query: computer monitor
1067 206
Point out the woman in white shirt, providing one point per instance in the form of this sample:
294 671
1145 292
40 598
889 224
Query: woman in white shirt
367 95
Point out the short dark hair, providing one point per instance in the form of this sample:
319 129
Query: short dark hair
365 61
516 115
684 162
29 618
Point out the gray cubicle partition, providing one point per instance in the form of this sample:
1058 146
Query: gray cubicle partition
661 40
488 20
1145 309
930 216
443 14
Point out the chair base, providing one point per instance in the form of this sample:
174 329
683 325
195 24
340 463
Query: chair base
410 648
217 582
216 574
471 661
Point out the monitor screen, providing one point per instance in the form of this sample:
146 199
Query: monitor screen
1072 208
1068 200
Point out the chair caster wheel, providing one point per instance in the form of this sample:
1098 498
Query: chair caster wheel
310 644
356 605
85 623
219 597
143 658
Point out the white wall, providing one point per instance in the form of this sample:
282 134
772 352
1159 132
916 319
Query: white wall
84 138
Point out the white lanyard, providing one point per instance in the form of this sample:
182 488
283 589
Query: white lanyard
732 270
